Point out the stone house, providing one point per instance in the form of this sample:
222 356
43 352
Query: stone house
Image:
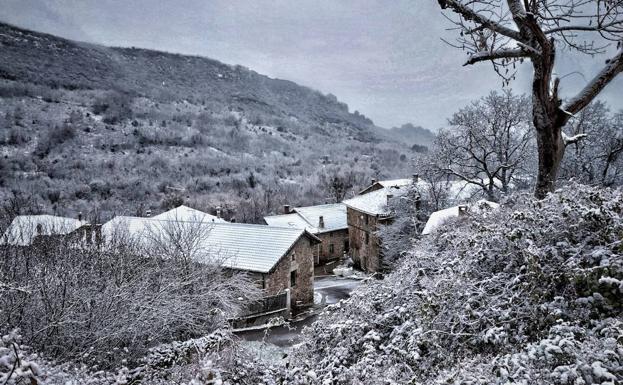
365 213
327 222
278 259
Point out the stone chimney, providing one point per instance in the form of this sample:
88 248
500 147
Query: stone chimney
416 178
462 210
286 209
321 222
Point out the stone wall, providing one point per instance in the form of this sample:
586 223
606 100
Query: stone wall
326 253
301 261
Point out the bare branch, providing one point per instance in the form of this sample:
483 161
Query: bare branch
613 67
469 14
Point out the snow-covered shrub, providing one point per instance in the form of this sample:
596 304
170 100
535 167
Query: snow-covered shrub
16 365
528 294
107 306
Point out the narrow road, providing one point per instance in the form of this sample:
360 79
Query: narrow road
327 290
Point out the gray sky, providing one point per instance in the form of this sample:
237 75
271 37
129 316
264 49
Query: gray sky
384 58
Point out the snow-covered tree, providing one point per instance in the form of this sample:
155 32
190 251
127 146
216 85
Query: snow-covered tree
508 32
489 142
598 160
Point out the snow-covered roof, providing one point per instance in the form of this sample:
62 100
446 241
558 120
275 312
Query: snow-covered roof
396 182
387 183
241 246
188 214
24 228
375 202
437 218
294 221
333 216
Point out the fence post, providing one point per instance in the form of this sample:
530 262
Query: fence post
288 305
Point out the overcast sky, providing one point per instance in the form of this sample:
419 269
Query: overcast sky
384 58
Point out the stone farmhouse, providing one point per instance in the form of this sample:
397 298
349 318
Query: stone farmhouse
365 213
280 260
327 222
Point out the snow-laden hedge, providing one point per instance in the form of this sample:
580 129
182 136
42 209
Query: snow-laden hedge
530 294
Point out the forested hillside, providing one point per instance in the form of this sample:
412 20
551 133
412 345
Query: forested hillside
100 130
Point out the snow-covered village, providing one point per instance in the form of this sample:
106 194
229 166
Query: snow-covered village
311 192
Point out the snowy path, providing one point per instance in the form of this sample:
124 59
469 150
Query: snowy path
328 290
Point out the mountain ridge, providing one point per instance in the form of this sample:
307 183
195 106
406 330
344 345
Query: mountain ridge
101 130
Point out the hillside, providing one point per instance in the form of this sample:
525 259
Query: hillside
413 135
106 130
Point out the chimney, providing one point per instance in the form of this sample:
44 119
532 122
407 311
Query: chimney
218 211
416 178
80 216
148 213
321 222
373 180
462 210
232 220
286 209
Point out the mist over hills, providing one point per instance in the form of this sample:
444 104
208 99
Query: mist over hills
106 130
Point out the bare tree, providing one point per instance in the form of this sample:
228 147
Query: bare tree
507 32
337 184
596 161
128 294
489 142
434 185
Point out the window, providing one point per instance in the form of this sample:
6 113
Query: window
331 249
367 238
365 219
293 278
293 256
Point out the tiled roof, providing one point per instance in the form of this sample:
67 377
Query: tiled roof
23 229
333 216
294 221
241 246
185 213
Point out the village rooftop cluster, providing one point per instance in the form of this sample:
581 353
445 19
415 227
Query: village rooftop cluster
281 256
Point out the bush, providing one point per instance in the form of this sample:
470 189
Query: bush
110 304
529 294
114 107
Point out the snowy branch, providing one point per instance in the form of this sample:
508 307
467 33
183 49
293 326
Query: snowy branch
613 67
498 54
567 140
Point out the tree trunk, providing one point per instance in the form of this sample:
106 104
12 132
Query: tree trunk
551 150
